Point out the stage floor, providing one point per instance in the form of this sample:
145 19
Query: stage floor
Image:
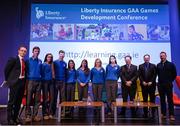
88 117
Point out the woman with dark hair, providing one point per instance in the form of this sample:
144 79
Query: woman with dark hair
97 79
71 80
112 76
83 77
48 86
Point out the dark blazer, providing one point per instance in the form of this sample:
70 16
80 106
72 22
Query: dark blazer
12 71
151 73
166 73
129 75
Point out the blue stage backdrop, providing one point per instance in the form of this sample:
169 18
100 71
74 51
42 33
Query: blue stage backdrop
96 31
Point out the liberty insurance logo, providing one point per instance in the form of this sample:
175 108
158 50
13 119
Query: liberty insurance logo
39 13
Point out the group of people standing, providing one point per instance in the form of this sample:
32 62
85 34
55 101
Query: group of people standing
53 76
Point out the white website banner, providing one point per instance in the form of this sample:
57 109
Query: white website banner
90 51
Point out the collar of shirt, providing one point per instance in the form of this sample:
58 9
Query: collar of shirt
113 65
128 65
34 58
98 68
60 60
164 61
20 57
146 64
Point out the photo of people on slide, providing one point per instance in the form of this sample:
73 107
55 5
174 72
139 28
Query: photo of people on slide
63 32
88 32
41 31
101 32
158 32
137 32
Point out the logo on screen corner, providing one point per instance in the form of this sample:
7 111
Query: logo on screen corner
39 13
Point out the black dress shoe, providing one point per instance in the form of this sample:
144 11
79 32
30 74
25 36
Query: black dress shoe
153 116
133 115
145 116
11 122
122 114
18 121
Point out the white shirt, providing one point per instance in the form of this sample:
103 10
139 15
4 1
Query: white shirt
20 58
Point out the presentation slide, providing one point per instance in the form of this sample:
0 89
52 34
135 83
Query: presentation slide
90 31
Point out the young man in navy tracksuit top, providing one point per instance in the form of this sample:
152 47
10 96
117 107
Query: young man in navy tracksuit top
33 66
60 77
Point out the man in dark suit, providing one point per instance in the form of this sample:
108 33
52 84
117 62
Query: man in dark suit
166 72
15 79
147 76
129 75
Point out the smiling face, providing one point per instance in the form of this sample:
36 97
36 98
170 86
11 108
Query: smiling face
98 63
146 59
49 58
130 30
61 56
84 64
71 65
128 60
113 60
22 51
163 57
36 53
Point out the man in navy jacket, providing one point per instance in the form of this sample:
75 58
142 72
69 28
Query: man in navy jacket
166 72
147 77
129 75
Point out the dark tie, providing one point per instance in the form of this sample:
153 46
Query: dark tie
146 69
128 67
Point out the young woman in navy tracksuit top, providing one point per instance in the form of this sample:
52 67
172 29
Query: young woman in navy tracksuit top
47 86
112 76
83 77
71 77
97 79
